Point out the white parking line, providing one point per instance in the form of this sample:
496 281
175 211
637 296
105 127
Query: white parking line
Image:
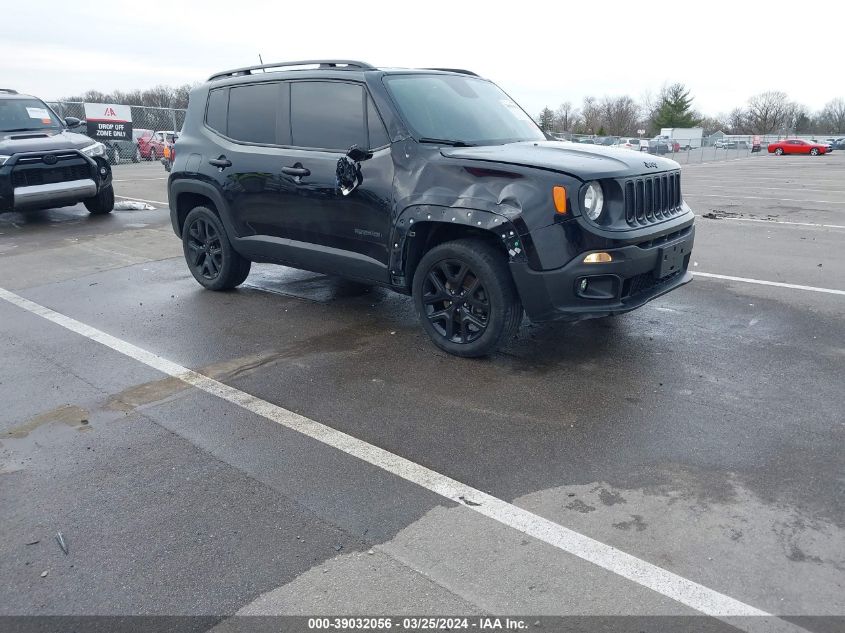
678 588
764 221
719 195
779 284
163 204
795 189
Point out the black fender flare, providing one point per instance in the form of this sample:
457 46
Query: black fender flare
180 186
497 224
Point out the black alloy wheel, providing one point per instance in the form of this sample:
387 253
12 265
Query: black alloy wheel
466 298
456 303
212 260
205 248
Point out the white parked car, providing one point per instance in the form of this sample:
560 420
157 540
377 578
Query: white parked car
629 143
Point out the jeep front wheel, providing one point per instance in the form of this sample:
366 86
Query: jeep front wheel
212 260
102 203
466 298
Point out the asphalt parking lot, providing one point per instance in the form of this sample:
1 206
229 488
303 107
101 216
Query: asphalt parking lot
366 472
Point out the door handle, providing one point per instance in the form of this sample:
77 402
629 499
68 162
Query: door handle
220 163
296 172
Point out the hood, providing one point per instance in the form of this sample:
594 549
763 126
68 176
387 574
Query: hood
41 141
587 162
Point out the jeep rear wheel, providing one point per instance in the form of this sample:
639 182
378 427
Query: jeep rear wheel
209 254
102 203
466 298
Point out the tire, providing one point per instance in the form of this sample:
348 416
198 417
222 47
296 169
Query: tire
814 152
466 283
209 254
152 157
779 151
136 157
102 203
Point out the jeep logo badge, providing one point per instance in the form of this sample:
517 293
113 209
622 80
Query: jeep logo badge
650 165
50 159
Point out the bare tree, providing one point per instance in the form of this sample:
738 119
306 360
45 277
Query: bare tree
564 116
591 114
832 116
619 115
768 112
738 121
158 96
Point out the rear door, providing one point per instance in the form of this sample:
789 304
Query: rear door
251 123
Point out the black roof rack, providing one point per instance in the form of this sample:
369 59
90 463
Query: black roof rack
9 91
455 70
340 64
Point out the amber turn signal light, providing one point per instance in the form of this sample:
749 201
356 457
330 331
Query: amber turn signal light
559 195
598 258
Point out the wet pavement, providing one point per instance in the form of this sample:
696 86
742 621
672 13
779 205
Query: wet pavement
702 433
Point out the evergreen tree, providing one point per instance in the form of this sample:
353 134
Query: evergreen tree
674 109
547 120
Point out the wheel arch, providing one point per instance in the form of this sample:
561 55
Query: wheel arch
422 227
185 195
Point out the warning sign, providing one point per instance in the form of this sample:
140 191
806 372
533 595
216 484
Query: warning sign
107 121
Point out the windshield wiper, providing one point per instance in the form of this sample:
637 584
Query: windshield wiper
445 141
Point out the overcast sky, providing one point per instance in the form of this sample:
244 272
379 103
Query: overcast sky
542 53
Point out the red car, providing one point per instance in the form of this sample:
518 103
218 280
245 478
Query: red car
797 146
150 144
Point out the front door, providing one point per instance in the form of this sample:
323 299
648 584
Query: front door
326 230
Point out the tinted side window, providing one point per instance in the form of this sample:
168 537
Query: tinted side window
378 135
252 113
218 104
327 115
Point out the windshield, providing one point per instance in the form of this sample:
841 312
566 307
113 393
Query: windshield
23 115
458 109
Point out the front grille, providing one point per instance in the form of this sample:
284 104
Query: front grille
650 199
28 176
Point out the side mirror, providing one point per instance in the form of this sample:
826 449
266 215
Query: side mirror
357 154
72 122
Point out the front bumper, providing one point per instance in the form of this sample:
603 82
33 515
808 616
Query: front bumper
56 178
636 275
55 194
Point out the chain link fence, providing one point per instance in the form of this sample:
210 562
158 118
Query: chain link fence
706 149
152 131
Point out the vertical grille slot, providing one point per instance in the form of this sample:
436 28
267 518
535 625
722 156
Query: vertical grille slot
630 209
639 201
649 200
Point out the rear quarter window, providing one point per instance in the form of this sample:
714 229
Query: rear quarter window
217 110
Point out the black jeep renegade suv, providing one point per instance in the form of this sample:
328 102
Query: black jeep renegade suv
44 164
432 182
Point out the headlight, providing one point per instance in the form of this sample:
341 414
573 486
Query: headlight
97 149
3 159
593 200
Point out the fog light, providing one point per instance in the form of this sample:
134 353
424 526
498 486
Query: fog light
582 285
598 258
